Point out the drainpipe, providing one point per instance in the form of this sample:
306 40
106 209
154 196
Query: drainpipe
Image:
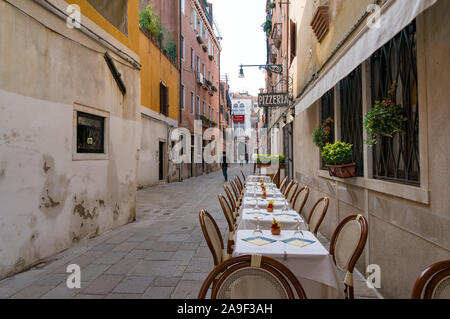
180 68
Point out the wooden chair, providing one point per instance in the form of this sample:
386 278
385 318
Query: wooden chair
290 195
231 221
317 215
243 176
300 199
213 237
276 178
283 184
241 184
252 277
288 188
346 246
231 199
236 193
433 282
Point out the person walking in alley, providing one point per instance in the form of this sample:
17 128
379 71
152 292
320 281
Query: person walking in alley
225 166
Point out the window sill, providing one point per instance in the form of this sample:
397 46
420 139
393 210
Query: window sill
89 157
407 192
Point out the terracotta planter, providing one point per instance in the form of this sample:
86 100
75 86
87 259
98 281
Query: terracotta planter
342 171
260 165
270 209
275 232
264 196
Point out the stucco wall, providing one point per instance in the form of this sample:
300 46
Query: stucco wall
408 231
156 67
48 200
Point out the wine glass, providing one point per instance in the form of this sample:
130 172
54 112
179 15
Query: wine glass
257 229
298 231
285 206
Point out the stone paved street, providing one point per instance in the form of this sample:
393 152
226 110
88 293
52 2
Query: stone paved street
161 255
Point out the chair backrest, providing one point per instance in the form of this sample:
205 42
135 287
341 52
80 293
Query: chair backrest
237 181
290 195
252 277
317 214
212 235
288 188
241 185
346 246
227 212
433 282
243 175
276 178
230 198
235 190
283 184
300 199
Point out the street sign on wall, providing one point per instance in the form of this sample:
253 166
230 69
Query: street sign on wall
273 99
239 118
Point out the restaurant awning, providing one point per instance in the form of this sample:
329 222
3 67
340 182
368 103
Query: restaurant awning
395 15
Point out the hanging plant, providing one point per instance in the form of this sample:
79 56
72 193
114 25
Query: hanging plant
385 119
267 27
322 134
272 5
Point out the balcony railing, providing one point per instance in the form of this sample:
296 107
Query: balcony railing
277 35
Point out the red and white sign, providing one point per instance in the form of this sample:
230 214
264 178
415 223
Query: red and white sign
239 118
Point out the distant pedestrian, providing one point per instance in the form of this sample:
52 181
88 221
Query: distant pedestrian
225 166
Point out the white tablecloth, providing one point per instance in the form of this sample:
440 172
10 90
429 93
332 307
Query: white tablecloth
247 219
255 178
311 264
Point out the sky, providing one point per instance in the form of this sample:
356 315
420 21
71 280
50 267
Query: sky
243 41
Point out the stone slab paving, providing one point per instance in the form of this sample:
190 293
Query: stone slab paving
161 255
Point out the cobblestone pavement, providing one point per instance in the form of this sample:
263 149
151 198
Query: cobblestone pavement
161 255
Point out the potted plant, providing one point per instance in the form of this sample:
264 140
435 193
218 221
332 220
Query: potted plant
385 119
204 47
322 134
199 39
275 228
272 5
211 57
264 160
214 88
338 157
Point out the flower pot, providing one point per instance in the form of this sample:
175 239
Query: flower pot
270 209
264 196
275 231
342 171
261 165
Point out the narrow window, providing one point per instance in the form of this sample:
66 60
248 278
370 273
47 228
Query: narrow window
90 133
182 6
182 48
192 102
183 98
351 116
163 99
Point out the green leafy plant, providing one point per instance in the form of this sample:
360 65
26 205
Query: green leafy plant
272 5
385 119
211 57
338 153
267 27
270 159
322 134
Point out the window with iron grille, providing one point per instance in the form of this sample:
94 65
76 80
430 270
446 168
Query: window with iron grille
397 159
351 116
90 133
164 99
327 111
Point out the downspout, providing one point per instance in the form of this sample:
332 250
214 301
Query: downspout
180 68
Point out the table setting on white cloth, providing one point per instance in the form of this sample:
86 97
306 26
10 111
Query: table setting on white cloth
301 252
295 247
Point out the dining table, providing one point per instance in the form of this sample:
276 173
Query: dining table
295 247
301 252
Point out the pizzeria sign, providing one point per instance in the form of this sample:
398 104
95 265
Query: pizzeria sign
273 99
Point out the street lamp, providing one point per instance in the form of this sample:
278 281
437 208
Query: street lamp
274 68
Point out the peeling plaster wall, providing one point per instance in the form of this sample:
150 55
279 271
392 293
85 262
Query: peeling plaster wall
48 201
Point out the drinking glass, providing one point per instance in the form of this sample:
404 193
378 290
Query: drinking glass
257 229
298 231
